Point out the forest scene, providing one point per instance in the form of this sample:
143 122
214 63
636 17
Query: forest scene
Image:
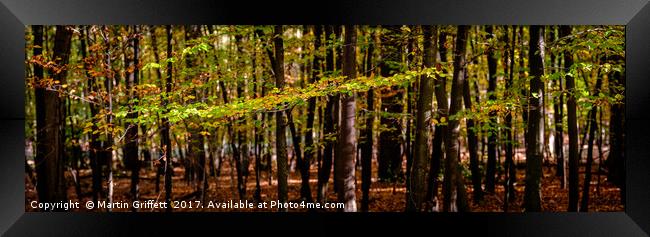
399 118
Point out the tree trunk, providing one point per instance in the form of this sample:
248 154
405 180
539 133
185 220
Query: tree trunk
593 125
440 132
108 145
472 143
49 160
422 123
366 152
490 172
344 163
310 149
535 126
510 164
328 127
281 139
573 128
453 188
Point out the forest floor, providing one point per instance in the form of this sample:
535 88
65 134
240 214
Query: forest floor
384 196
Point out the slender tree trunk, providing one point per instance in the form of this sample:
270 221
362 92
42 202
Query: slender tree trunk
310 149
346 146
510 165
328 127
281 139
535 126
440 132
453 188
573 128
410 95
366 152
492 134
167 145
258 133
422 123
593 125
472 143
108 145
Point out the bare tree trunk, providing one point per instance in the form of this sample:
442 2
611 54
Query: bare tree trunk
423 121
490 172
108 145
281 139
573 129
167 145
453 188
346 146
535 126
511 171
328 126
366 152
472 143
49 160
440 132
593 125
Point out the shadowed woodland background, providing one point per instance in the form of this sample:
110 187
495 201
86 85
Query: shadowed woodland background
381 118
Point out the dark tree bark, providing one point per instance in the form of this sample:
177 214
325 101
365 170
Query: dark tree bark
422 123
167 145
39 97
472 143
344 164
49 160
490 172
573 128
366 152
310 148
593 126
410 95
510 164
454 199
328 126
440 131
535 126
280 136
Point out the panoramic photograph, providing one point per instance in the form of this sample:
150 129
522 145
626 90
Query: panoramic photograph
324 118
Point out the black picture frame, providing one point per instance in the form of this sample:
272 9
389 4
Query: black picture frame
16 14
